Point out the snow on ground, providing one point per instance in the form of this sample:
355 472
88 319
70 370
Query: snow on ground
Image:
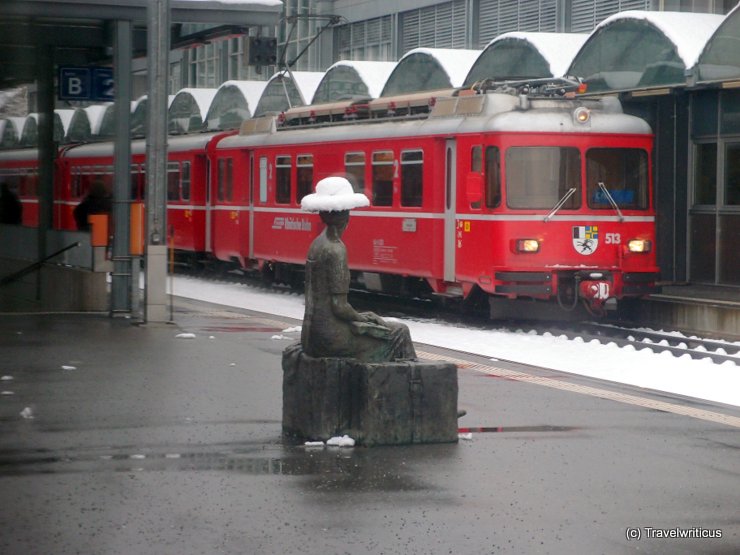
663 372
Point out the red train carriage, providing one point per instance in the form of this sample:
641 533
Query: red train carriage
513 196
544 198
188 210
20 170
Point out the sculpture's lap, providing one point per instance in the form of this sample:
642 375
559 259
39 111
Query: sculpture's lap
374 403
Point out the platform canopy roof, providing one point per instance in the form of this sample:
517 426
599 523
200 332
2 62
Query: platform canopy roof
233 103
300 87
78 29
350 80
720 59
188 110
429 69
520 55
8 134
642 49
108 124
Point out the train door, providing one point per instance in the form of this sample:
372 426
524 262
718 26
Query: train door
209 204
450 208
251 204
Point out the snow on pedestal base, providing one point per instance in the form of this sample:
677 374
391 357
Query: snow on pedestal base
389 403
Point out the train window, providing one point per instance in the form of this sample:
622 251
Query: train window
263 179
476 165
493 177
411 177
705 173
282 178
383 178
539 177
304 176
185 181
624 173
173 181
225 179
75 185
354 166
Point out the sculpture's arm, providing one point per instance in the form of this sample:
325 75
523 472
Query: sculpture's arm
344 311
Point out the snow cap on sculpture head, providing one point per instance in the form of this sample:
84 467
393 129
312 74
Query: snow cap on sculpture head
333 194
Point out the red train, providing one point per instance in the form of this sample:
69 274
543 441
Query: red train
515 194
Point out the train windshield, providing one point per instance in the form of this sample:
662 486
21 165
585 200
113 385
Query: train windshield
539 177
624 174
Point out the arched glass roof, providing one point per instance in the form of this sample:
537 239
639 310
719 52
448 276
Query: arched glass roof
108 123
429 69
349 80
30 132
721 56
62 120
79 127
640 49
526 56
188 110
233 103
8 133
299 85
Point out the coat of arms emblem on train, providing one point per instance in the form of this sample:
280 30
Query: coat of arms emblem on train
585 239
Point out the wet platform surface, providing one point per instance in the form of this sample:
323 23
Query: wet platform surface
121 439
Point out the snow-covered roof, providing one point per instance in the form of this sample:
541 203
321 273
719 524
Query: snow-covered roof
79 127
308 82
358 79
505 55
65 118
300 86
642 49
689 32
234 102
445 68
720 58
201 97
29 133
95 115
189 109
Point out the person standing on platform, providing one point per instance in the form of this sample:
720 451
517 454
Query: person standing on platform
11 209
97 201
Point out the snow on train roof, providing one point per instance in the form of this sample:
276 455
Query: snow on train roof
689 32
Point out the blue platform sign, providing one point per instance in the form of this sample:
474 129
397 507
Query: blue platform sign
86 83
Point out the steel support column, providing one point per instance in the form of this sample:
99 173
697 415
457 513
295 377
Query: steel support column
121 280
158 42
45 71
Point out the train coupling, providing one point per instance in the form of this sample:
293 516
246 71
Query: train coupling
596 289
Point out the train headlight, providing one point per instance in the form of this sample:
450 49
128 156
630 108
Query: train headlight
639 245
582 115
527 245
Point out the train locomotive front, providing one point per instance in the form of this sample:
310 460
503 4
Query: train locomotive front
558 206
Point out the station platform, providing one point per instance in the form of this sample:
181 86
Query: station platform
121 439
710 311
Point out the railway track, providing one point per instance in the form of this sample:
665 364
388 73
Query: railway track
674 342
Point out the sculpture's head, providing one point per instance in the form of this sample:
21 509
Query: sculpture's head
334 194
339 219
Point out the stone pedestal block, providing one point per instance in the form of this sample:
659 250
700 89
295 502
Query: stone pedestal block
388 403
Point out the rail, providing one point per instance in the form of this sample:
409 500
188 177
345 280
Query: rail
35 266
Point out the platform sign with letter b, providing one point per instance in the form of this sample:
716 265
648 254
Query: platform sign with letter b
86 83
